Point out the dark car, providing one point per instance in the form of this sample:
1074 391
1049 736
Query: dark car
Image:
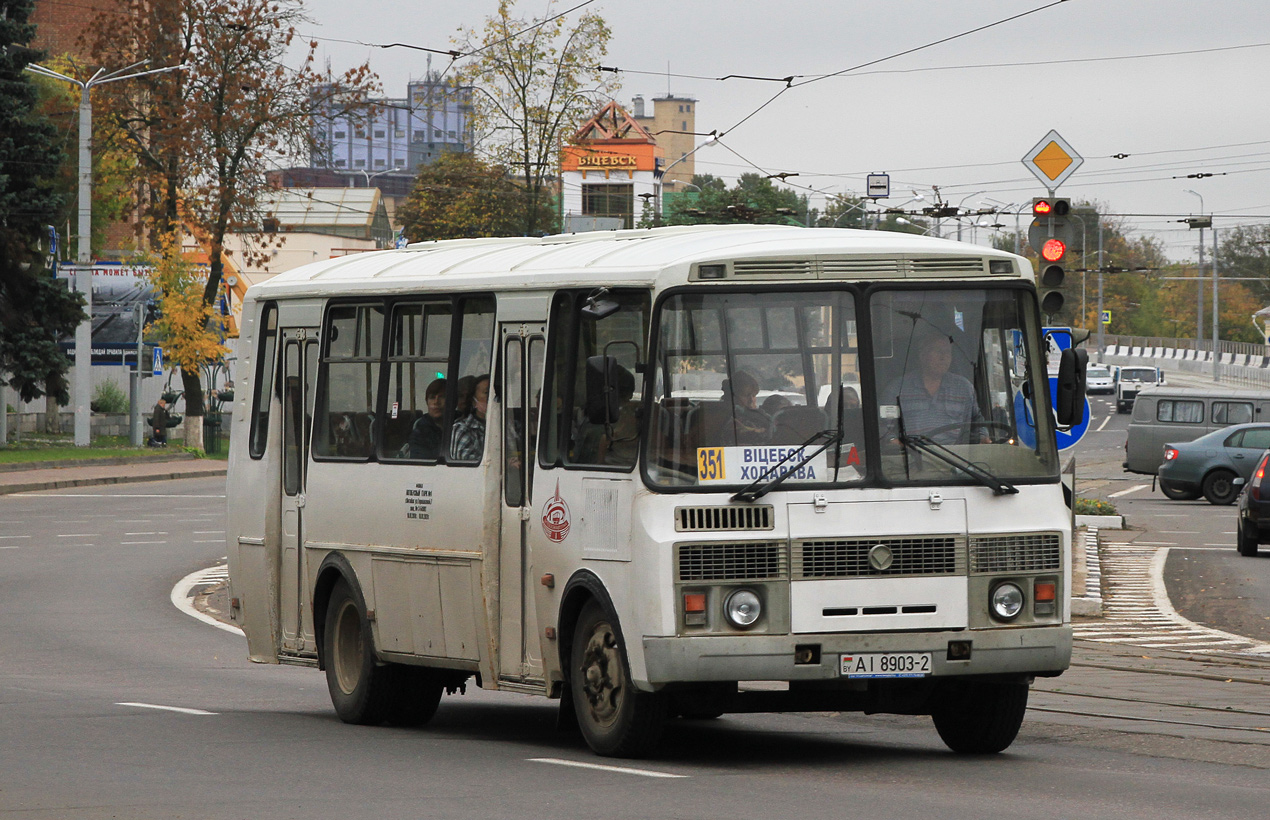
1210 464
1254 511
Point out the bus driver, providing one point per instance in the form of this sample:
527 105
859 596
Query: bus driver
935 402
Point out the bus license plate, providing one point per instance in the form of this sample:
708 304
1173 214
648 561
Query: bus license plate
886 665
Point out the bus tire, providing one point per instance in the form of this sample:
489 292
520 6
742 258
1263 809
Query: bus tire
980 717
416 694
616 719
362 689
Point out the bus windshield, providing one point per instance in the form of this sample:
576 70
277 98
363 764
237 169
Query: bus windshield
760 385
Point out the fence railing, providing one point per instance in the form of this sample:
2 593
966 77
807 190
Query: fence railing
1239 363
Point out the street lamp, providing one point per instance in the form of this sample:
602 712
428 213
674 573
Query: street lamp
959 207
713 138
84 255
1199 315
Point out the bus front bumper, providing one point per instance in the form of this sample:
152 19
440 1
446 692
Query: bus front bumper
1042 651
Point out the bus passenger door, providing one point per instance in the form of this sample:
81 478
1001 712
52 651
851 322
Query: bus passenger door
299 370
523 351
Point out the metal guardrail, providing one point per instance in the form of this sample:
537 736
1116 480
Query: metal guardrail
1238 363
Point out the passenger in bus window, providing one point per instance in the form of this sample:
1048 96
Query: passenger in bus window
753 426
463 404
426 434
467 436
932 400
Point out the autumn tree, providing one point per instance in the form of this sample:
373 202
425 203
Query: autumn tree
34 310
460 195
208 138
189 330
536 83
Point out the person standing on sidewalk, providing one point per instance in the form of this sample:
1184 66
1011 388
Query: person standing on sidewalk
159 424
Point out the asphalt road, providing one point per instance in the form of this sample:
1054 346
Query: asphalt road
1208 582
116 704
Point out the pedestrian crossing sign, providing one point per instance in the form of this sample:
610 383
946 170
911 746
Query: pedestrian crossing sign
1106 317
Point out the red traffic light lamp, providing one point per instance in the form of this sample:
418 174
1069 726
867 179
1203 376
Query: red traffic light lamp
1051 206
1052 250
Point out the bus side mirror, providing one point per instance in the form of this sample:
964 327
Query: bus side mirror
1070 401
608 384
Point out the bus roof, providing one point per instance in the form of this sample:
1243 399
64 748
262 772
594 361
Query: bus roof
657 256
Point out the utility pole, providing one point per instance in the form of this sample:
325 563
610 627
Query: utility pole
1102 328
1215 328
83 392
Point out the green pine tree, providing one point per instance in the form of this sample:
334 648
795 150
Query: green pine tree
34 310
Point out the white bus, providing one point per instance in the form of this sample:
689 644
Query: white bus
544 463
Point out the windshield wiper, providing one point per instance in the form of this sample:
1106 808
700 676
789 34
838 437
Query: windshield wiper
939 451
757 489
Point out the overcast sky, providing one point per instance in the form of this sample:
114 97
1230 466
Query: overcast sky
1187 93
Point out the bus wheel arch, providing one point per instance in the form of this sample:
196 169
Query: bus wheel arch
334 568
616 719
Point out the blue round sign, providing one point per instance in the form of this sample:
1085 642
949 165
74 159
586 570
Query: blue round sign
1066 439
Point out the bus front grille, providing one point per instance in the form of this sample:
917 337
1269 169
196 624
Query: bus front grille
1023 552
732 562
857 557
722 519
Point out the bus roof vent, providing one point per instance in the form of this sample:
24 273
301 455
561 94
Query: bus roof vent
862 266
723 519
774 267
946 265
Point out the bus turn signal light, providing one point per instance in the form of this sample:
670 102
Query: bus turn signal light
694 602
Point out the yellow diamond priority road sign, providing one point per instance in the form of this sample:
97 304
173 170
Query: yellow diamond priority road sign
1052 160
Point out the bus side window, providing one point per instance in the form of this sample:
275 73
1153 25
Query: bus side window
266 366
593 355
472 352
348 382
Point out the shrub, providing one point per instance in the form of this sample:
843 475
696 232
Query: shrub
1094 506
109 398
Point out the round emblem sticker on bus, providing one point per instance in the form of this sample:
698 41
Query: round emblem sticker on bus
555 517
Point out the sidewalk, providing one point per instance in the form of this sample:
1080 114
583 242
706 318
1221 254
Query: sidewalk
41 476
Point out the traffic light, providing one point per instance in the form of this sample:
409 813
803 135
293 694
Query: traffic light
1050 234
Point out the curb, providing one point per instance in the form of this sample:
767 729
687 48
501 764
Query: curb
1090 602
67 483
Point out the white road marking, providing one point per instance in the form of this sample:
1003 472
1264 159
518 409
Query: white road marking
209 532
1130 490
4 537
183 592
181 709
136 543
1104 424
601 767
81 535
160 532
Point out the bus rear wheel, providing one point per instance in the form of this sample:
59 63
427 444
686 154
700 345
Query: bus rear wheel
980 717
616 719
362 690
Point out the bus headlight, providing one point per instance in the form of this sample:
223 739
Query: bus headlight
743 608
1006 601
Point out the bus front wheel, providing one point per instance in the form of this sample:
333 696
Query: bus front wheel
616 719
980 717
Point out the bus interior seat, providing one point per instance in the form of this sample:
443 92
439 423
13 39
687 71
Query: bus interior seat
794 425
